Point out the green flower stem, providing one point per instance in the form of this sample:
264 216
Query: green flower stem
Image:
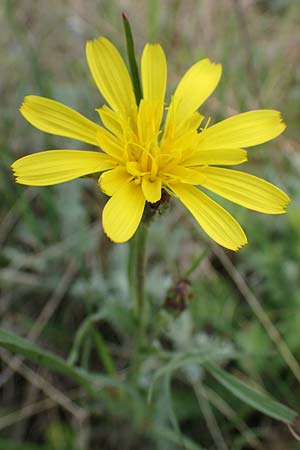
140 274
131 271
136 273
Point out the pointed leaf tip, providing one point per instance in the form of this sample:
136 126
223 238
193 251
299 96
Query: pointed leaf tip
251 396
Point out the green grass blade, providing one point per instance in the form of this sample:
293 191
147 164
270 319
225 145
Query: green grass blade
251 396
9 444
171 436
132 60
91 382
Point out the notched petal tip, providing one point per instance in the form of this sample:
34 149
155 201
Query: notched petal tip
98 39
276 116
24 103
281 121
241 244
153 45
217 64
214 64
285 204
21 106
278 121
92 44
15 176
15 166
115 241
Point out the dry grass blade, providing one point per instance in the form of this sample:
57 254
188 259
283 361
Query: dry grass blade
209 417
32 409
223 407
48 311
41 383
258 310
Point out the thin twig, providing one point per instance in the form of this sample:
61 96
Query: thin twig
32 409
224 408
26 412
41 383
293 432
31 395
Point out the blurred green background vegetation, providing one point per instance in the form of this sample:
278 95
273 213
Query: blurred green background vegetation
58 270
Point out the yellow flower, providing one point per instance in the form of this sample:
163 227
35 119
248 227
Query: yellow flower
139 158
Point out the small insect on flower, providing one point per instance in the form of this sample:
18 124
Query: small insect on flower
140 157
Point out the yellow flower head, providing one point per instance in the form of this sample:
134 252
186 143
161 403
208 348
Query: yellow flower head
139 158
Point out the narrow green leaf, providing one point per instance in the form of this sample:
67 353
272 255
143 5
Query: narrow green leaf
132 60
171 411
23 347
169 435
184 359
81 333
103 352
251 396
9 444
195 263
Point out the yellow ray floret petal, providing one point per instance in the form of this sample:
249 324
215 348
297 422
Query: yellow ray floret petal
147 123
55 118
112 180
214 219
243 130
110 144
110 120
123 212
185 174
222 157
154 79
151 189
57 166
246 190
192 123
111 75
194 88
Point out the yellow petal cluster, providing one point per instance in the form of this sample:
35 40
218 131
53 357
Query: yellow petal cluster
141 152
